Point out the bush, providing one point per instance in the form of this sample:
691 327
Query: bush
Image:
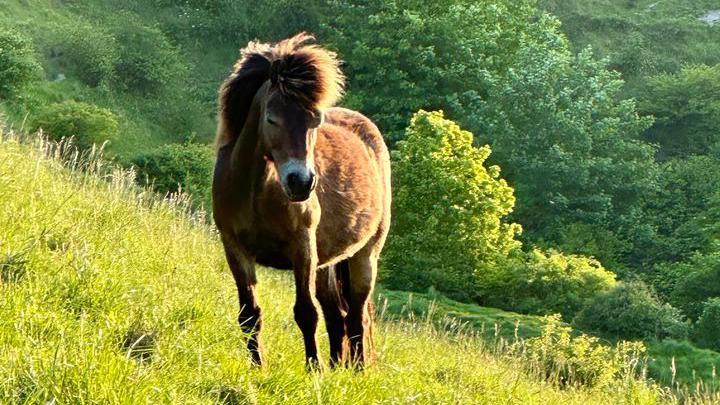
88 52
579 360
448 224
174 167
545 282
18 66
700 281
88 124
706 332
148 62
632 311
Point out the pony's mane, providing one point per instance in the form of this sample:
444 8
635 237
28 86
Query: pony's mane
301 72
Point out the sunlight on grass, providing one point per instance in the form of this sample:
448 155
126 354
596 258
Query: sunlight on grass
125 299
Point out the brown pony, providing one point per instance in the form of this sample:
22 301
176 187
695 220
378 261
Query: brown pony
303 186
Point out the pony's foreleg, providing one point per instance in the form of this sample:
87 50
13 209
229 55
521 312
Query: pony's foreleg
249 318
363 270
305 309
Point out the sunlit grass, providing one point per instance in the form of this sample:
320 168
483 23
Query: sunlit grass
110 296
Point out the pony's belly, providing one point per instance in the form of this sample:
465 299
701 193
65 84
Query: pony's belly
273 259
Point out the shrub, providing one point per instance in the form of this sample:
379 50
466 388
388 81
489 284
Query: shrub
546 282
88 52
174 166
706 332
700 281
632 311
579 360
448 224
88 124
148 62
18 66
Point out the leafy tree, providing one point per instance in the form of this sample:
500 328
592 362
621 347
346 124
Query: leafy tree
706 332
571 149
681 210
687 110
87 51
404 55
149 63
699 280
632 311
18 66
88 124
448 225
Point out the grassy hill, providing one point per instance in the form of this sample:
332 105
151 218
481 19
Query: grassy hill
112 296
641 37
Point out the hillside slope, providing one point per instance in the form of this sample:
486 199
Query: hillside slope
109 298
641 37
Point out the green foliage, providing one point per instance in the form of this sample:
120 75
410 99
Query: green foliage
579 360
706 331
680 210
632 311
544 283
148 62
18 66
700 281
436 56
569 148
640 37
88 124
448 226
173 167
87 51
687 110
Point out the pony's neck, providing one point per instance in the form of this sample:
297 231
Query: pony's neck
248 161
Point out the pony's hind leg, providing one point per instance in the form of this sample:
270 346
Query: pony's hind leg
334 308
249 318
363 270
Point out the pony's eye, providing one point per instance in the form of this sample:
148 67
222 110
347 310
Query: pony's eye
270 121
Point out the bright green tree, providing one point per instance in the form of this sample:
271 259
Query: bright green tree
449 209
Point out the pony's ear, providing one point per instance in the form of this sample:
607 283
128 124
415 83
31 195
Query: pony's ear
318 117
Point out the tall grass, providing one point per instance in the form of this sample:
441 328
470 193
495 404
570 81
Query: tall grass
110 295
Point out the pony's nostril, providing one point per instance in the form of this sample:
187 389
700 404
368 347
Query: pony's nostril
293 181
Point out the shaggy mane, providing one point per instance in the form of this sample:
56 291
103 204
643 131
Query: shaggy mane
301 72
306 73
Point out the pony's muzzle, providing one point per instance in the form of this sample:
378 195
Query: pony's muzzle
298 180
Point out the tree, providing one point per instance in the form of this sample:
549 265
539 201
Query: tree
687 110
700 280
571 150
18 66
449 209
404 55
706 332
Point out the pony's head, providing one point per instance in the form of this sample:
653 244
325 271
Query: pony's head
295 83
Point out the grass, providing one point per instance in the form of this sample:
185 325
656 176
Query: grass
125 299
640 37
